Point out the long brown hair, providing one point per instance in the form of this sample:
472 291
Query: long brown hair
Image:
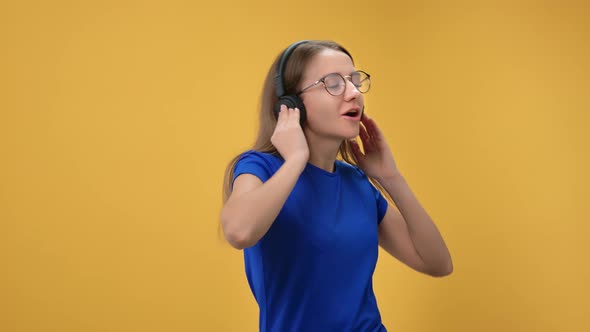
292 77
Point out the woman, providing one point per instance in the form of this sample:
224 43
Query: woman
310 223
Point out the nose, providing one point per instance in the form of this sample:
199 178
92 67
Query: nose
351 92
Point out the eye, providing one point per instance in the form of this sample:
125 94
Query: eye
357 79
333 81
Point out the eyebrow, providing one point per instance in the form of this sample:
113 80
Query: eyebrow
323 76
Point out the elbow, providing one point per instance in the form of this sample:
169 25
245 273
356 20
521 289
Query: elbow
237 240
443 271
237 237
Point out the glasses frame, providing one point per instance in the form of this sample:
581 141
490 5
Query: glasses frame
344 78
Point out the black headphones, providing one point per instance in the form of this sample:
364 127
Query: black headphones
289 100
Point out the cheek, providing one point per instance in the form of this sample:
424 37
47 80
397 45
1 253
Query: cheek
320 108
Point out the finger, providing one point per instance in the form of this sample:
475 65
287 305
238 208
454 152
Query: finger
290 121
366 121
281 118
288 115
374 131
364 135
355 146
368 142
365 118
294 118
356 150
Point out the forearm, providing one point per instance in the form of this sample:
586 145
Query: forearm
424 234
248 216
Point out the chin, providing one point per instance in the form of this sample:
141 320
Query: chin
342 133
352 134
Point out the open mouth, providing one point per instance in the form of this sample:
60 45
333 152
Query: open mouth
354 113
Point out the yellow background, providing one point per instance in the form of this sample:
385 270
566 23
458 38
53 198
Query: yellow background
118 118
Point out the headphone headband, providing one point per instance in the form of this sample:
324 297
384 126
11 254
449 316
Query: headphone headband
279 84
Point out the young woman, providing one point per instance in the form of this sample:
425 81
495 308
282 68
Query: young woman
307 204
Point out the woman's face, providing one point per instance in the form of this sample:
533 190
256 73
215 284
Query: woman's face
326 114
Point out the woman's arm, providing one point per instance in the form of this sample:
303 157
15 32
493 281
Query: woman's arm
410 235
253 206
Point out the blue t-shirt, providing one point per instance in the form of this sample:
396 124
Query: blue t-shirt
313 269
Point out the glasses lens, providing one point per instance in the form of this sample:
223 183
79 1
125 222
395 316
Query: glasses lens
334 84
361 80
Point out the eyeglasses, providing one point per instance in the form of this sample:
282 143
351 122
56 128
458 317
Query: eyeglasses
335 83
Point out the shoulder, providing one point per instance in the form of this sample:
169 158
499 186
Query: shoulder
353 174
350 170
252 155
250 159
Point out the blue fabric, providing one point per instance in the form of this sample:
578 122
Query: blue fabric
313 269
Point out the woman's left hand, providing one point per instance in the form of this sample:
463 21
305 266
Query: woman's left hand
377 159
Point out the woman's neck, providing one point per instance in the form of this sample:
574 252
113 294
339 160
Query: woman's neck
323 151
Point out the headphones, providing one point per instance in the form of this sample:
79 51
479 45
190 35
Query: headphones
289 100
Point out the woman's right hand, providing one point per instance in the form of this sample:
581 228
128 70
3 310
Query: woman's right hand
288 136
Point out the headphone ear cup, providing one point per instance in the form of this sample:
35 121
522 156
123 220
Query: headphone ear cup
292 101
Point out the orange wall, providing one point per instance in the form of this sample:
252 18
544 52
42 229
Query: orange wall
117 120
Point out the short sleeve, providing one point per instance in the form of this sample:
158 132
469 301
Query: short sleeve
255 163
380 201
381 206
